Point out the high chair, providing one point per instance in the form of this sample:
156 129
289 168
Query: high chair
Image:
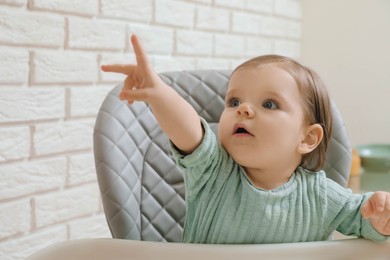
143 191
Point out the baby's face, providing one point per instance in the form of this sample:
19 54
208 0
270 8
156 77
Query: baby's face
262 123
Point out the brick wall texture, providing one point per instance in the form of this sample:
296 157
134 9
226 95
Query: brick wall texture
51 88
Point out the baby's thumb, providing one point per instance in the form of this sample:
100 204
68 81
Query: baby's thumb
367 209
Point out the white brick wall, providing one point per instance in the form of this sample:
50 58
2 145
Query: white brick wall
15 143
14 64
50 66
22 104
175 13
54 208
147 34
85 7
21 27
212 18
95 34
61 137
51 88
194 43
29 177
132 10
81 169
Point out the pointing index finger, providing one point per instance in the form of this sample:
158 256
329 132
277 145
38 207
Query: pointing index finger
142 59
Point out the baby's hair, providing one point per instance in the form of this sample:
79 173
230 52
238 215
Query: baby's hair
316 102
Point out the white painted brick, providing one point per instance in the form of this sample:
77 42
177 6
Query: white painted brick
96 34
288 48
213 64
289 8
230 3
164 63
262 6
33 176
247 23
272 26
256 46
81 169
85 7
64 66
15 218
95 227
154 39
229 45
14 65
67 204
211 18
294 30
134 10
18 104
202 1
119 58
14 2
234 63
63 136
21 27
23 247
175 13
86 101
116 58
194 43
15 143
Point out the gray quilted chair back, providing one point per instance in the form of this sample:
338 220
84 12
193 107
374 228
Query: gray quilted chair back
141 187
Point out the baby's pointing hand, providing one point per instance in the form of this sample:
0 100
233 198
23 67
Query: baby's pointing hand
377 210
141 81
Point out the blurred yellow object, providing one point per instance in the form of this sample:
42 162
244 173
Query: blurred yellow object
354 178
356 163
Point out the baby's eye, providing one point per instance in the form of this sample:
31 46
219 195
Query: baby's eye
233 102
270 104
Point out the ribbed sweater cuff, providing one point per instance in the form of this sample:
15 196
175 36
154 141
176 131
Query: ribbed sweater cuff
369 232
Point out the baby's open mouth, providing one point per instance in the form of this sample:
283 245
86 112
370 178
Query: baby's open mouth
240 129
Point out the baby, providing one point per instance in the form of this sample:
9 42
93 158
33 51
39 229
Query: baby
261 181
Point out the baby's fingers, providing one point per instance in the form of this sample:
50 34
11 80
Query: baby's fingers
367 209
382 224
386 229
135 94
377 204
119 68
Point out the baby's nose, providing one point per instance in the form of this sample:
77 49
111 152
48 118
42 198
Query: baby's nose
245 109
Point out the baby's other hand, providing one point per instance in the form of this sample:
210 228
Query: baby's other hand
377 210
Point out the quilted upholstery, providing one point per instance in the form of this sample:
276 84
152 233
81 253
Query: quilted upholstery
141 187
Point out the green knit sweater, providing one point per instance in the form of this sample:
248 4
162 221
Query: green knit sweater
224 207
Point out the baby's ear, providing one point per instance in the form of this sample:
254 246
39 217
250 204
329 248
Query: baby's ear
311 139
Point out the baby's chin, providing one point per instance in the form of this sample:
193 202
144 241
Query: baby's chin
243 160
241 156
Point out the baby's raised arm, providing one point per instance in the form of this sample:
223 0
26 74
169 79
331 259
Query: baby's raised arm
177 118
